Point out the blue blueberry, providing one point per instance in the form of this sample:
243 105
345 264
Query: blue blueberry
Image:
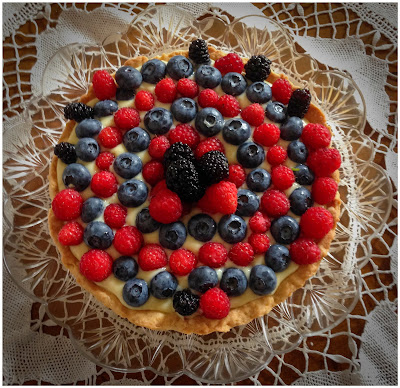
179 67
275 111
258 180
91 209
98 235
277 257
135 292
262 280
232 228
76 176
158 121
236 131
250 155
184 109
127 77
297 151
163 285
209 77
202 227
87 149
233 282
172 236
132 193
88 128
304 176
145 222
125 94
153 71
300 201
105 108
125 268
292 128
285 229
248 203
209 122
259 92
202 279
127 165
136 140
233 83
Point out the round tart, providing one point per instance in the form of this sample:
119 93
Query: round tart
194 191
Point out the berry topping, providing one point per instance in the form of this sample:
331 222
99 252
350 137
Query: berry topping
184 109
202 279
151 257
300 201
213 167
88 128
241 254
274 203
202 227
233 282
209 122
299 103
262 280
233 83
179 67
229 63
215 304
316 222
132 193
166 90
115 215
125 94
104 85
127 165
128 240
198 52
105 160
282 90
324 161
257 68
266 134
297 151
158 146
165 207
275 111
153 71
250 155
98 235
236 131
258 180
163 285
91 209
316 136
207 145
253 114
172 236
176 152
185 302
285 230
158 121
259 92
324 190
228 106
207 76
145 222
259 242
87 149
185 134
65 152
153 172
135 292
187 88
277 257
232 228
276 155
96 265
208 98
282 177
127 77
144 100
291 129
104 184
67 205
220 197
71 234
126 118
125 268
305 251
110 137
213 254
248 203
182 262
78 111
136 140
105 108
304 176
259 223
237 175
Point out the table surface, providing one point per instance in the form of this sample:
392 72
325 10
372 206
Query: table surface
339 345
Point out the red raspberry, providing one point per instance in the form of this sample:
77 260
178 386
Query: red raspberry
259 242
158 146
153 172
165 207
126 118
144 100
105 160
282 177
274 203
185 134
228 106
160 186
71 234
110 137
187 88
207 145
266 134
115 215
128 240
220 197
96 265
67 205
152 257
215 304
282 90
208 98
104 85
241 254
316 222
324 161
229 63
259 223
276 155
316 136
304 251
166 90
182 262
237 175
253 114
104 184
213 254
324 190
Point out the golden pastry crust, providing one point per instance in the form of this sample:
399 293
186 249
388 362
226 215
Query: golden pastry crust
172 321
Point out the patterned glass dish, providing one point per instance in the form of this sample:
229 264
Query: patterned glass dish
108 340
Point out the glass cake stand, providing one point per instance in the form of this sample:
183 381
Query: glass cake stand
32 261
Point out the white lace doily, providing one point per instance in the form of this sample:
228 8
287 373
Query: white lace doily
30 353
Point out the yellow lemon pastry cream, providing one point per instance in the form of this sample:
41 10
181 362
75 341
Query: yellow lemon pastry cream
194 191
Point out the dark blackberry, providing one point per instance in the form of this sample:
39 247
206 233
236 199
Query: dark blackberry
78 111
257 68
213 167
198 52
182 178
178 151
66 152
299 103
185 303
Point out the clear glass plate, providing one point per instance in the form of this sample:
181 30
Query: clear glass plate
108 340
